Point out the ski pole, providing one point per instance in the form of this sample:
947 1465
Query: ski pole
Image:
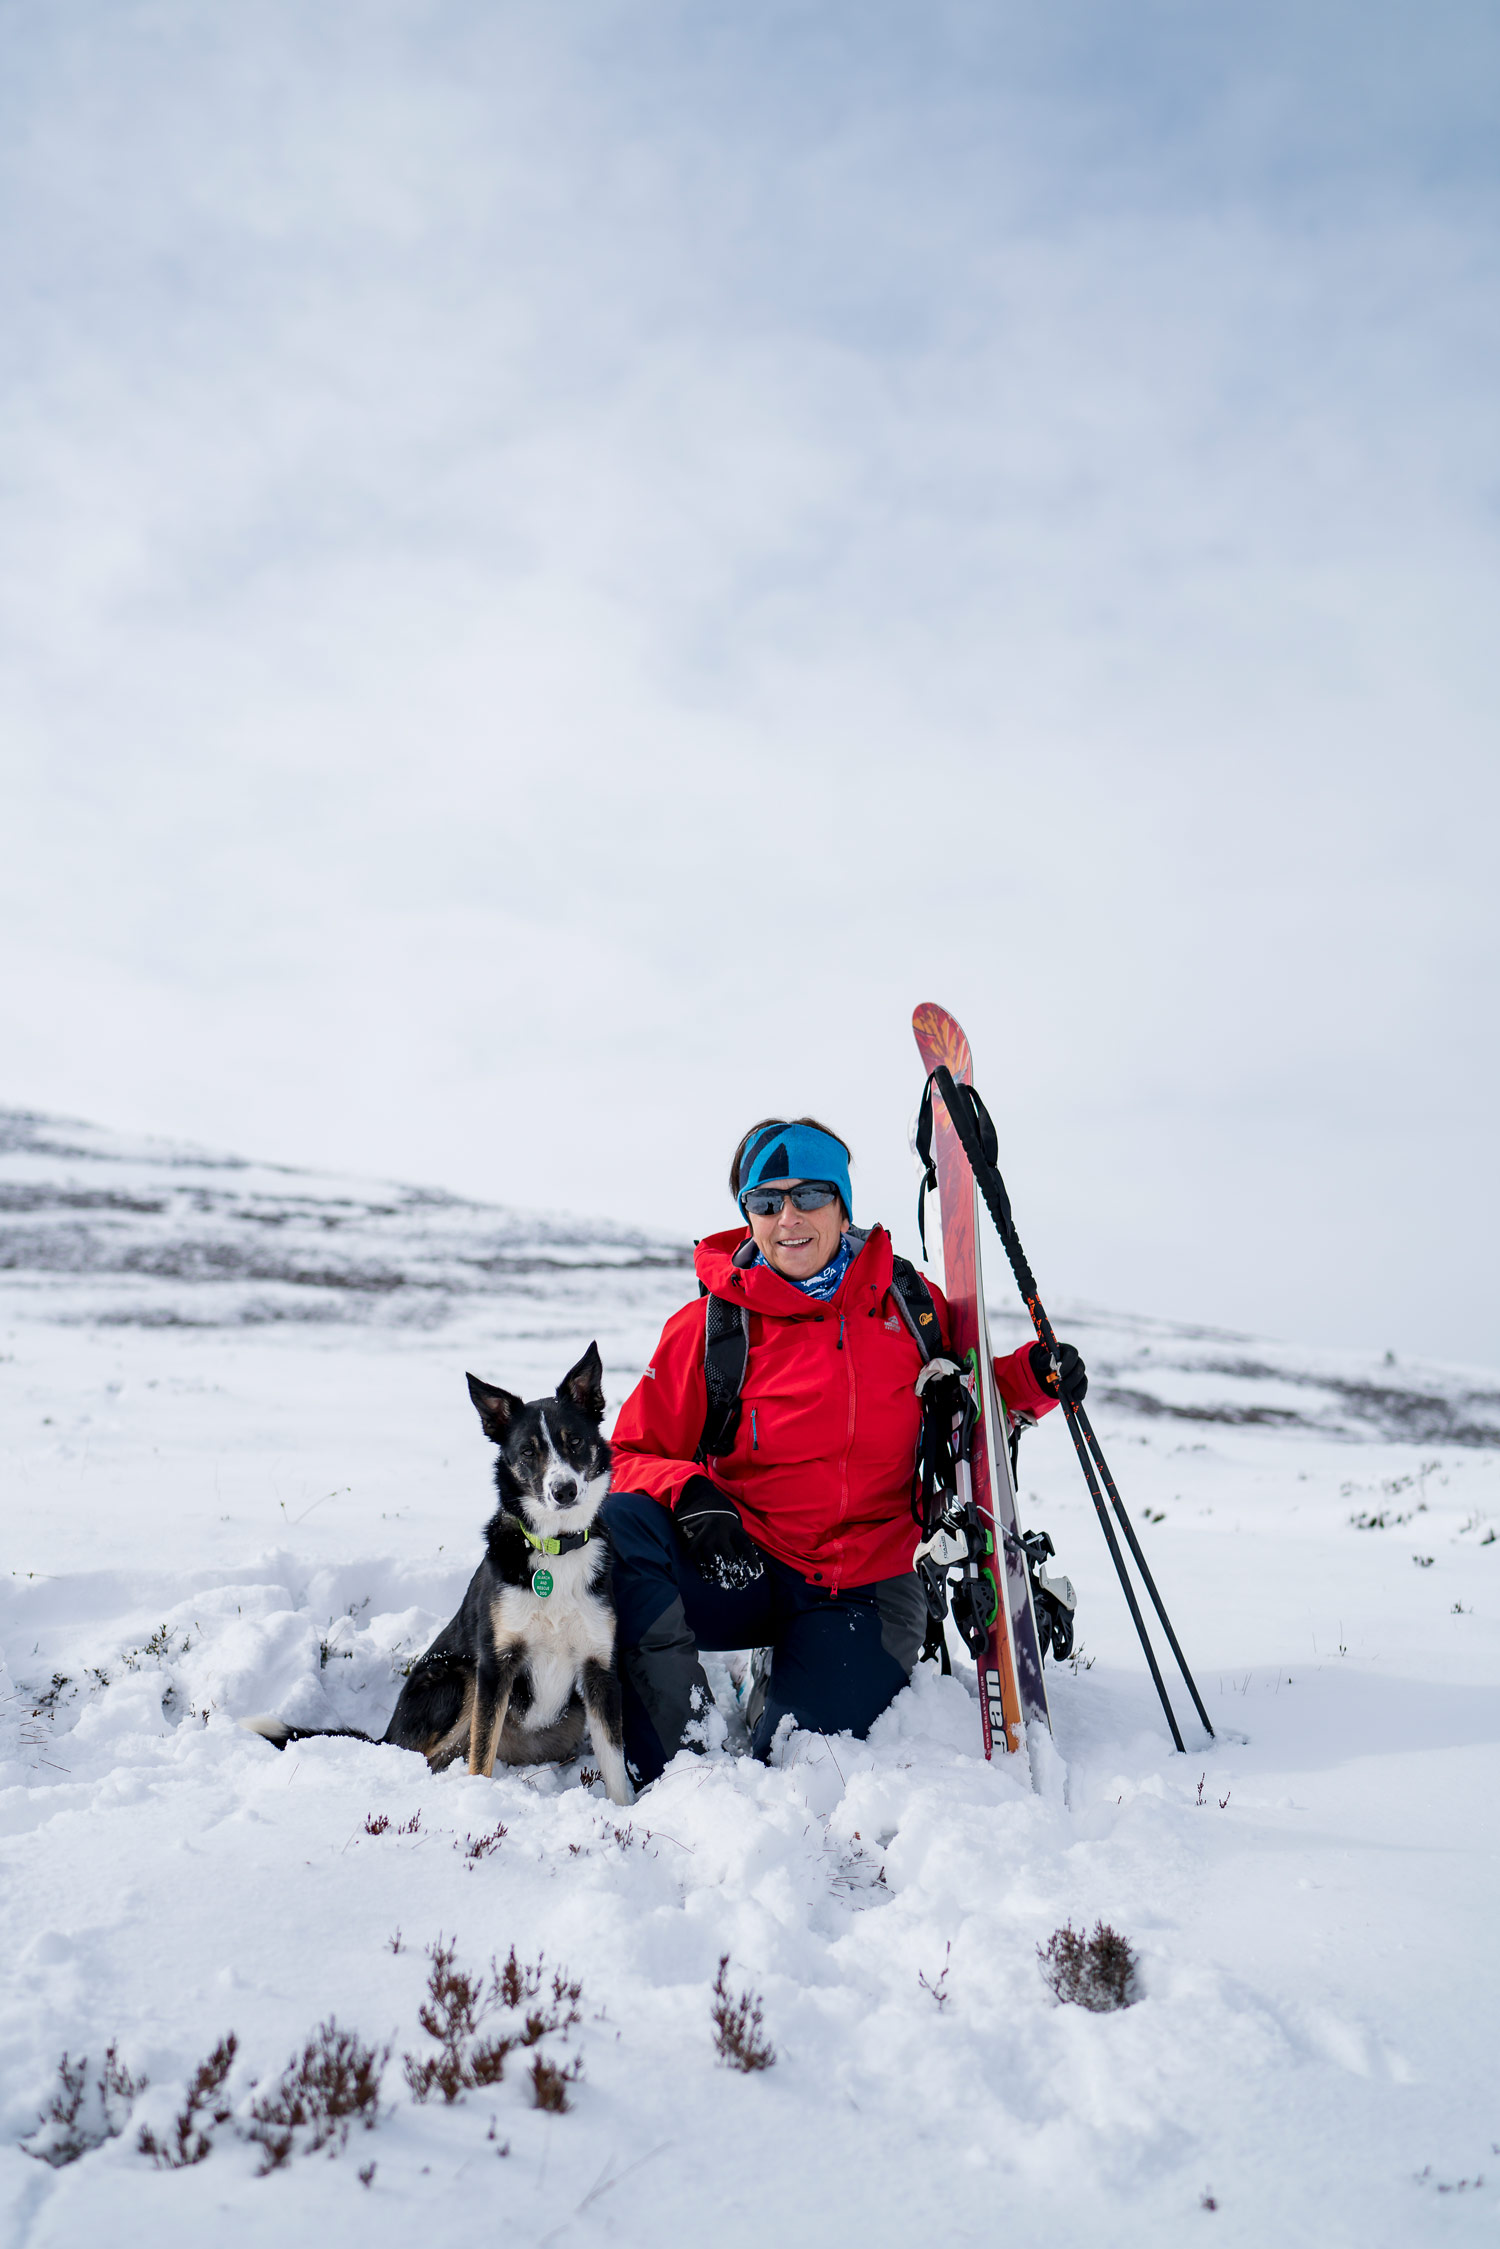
972 1123
997 1201
986 1171
1143 1565
1075 1416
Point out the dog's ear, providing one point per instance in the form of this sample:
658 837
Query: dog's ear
496 1408
583 1386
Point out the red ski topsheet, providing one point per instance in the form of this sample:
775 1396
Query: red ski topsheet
1011 1690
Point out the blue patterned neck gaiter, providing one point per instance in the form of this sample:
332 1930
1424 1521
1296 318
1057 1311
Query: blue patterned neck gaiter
825 1284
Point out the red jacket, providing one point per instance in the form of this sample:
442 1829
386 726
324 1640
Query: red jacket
821 1466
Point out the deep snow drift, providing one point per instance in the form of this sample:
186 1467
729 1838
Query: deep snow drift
242 1474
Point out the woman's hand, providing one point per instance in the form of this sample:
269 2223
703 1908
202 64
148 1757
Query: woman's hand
1072 1386
717 1542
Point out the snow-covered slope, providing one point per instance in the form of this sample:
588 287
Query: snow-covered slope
153 1233
242 1473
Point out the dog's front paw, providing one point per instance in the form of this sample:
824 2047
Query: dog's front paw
617 1781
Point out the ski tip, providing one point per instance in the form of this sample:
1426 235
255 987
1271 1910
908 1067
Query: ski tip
940 1039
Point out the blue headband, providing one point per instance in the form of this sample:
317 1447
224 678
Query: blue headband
793 1151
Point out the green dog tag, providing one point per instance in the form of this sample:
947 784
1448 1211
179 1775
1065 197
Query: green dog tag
541 1583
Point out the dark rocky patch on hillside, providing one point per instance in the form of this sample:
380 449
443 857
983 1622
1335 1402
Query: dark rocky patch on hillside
147 1232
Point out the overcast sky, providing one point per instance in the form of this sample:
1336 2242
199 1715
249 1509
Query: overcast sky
562 567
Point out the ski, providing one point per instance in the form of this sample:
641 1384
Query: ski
1003 1633
975 1131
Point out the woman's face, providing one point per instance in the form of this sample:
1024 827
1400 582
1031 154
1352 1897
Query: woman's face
797 1243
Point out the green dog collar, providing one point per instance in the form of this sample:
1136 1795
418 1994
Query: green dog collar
568 1543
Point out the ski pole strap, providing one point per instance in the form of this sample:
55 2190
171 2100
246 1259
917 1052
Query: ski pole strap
976 1130
923 1143
989 1145
977 1137
924 1157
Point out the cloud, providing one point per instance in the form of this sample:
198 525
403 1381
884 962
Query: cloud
561 572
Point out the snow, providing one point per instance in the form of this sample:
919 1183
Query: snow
242 1480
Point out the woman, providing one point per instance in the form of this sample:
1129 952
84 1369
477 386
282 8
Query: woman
799 1537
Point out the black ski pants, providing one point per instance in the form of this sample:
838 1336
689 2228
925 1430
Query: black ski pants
838 1658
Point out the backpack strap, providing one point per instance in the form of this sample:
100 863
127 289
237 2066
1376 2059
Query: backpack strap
726 1348
914 1303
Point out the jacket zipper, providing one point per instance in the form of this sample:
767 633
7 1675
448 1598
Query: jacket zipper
844 1462
754 1437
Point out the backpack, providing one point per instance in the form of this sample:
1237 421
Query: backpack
726 1349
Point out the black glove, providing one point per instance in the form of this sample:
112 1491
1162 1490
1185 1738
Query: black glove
1073 1387
717 1542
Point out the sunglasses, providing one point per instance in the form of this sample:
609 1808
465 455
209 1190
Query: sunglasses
765 1202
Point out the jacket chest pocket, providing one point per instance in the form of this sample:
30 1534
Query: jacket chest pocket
793 1404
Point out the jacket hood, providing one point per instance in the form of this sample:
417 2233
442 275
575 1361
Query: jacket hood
765 1291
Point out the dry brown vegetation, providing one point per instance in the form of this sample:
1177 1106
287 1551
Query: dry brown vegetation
1096 1972
738 2037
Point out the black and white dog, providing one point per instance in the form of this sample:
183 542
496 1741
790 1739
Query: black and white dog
527 1666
